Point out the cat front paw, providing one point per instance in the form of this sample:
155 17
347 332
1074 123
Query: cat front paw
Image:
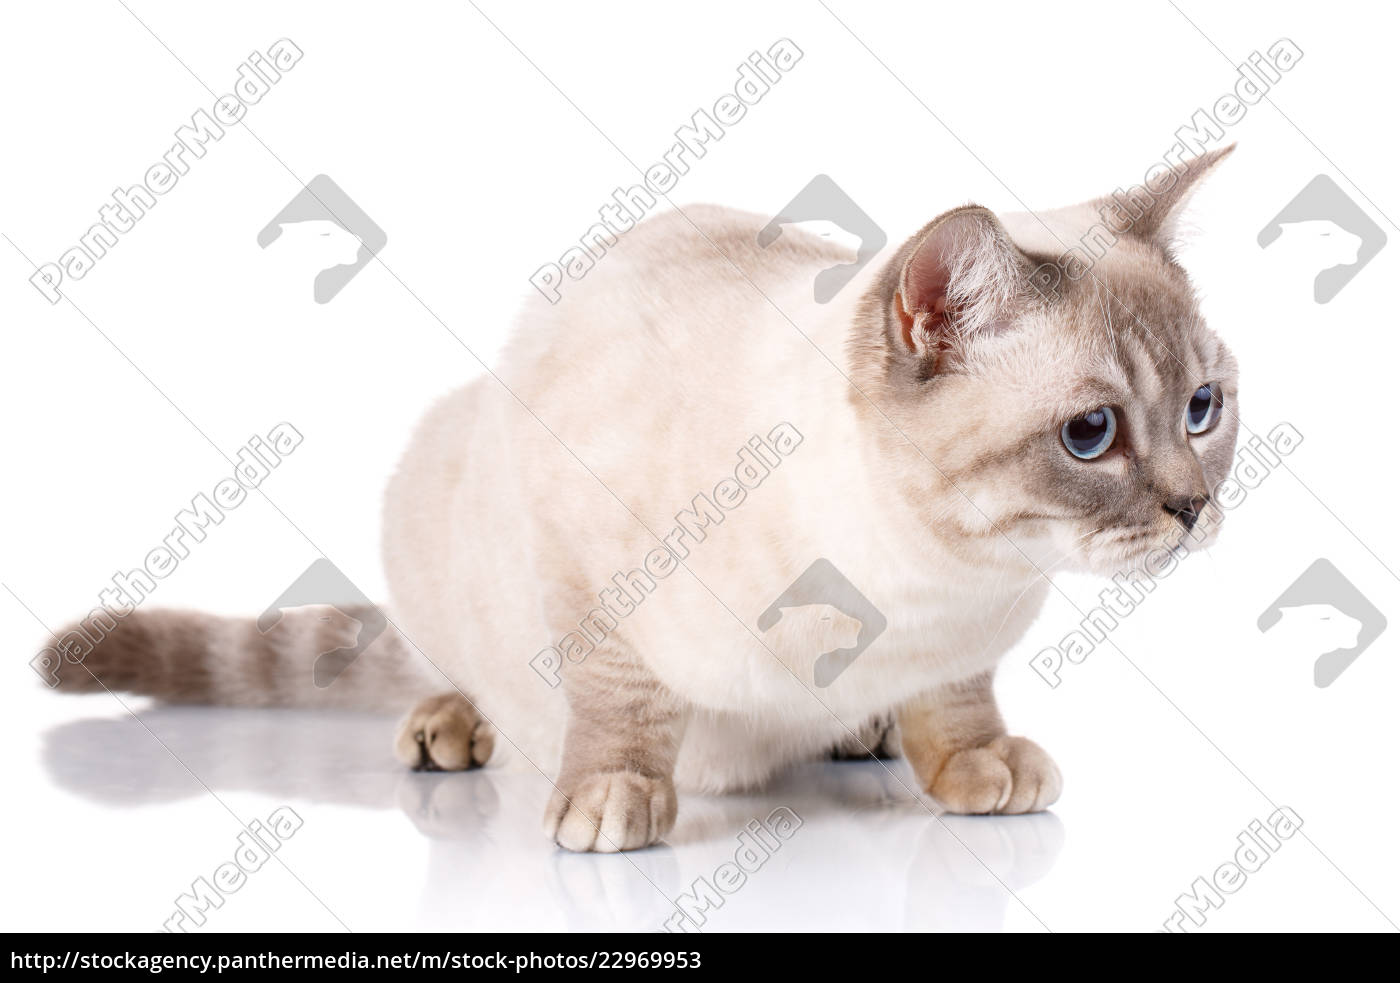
1011 775
444 733
610 811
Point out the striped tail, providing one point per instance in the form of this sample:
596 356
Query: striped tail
312 656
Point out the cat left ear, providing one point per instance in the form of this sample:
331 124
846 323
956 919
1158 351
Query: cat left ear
1160 218
962 276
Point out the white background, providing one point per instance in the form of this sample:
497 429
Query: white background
479 170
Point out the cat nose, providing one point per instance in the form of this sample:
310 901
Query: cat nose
1186 509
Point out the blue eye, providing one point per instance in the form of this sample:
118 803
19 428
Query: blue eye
1088 436
1203 410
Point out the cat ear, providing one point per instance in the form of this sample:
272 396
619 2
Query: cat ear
1155 208
963 275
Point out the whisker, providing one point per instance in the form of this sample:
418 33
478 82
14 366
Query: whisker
1108 321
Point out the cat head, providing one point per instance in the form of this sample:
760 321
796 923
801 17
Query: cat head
1084 418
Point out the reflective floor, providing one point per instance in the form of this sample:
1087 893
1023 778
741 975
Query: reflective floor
839 845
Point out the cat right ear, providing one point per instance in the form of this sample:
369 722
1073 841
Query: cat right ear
1156 212
963 276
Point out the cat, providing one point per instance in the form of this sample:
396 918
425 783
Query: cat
955 436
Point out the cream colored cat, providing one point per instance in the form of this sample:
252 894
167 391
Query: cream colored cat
951 435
